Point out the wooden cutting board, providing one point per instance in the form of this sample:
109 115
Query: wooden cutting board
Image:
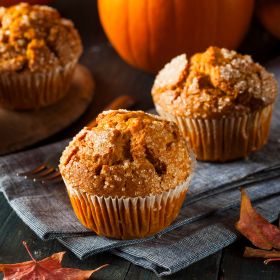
19 129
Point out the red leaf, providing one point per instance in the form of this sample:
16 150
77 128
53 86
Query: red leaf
257 229
46 269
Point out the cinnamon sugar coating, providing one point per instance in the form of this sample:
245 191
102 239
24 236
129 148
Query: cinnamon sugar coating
127 154
216 83
36 38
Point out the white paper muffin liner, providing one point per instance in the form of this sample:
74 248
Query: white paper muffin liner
31 90
224 139
127 218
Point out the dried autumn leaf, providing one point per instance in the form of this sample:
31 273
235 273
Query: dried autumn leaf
46 269
271 260
270 256
259 253
257 229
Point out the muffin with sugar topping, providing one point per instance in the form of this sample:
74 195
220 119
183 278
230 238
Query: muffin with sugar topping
38 54
129 165
221 100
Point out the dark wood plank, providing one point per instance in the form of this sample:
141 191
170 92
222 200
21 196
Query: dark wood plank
206 269
138 273
5 210
234 266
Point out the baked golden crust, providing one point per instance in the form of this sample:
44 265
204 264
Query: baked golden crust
216 83
36 38
127 154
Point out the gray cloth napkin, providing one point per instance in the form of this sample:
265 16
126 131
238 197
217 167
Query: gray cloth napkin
204 225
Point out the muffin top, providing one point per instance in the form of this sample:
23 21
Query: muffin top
36 38
126 154
216 83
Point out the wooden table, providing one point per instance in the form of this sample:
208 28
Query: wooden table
114 77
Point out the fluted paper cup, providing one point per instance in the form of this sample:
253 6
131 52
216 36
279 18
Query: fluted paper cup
32 90
125 217
224 139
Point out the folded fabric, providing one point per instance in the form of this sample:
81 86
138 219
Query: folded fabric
205 223
186 245
47 210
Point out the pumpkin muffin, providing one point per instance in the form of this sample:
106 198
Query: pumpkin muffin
38 54
127 177
221 100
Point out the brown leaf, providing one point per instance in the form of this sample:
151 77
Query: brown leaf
47 269
259 253
257 229
270 256
271 260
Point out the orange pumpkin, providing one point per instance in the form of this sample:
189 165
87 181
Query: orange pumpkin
148 33
268 12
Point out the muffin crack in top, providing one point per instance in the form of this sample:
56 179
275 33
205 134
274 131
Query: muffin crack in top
127 154
218 82
36 38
